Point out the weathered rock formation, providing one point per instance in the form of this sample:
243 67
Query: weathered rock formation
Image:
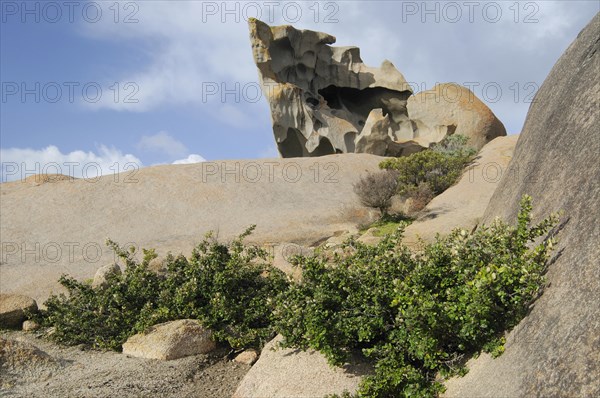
555 350
325 100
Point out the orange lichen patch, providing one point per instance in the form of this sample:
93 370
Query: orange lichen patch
39 179
285 91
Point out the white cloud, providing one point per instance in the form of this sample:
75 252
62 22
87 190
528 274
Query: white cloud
20 163
188 48
184 53
162 142
193 158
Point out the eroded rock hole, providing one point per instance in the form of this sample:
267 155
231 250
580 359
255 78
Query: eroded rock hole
294 145
282 54
325 148
349 141
312 102
362 102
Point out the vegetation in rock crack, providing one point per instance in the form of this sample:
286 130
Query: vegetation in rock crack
437 168
229 288
387 224
417 316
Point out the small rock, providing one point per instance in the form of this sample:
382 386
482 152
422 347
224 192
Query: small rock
103 274
337 240
30 326
282 254
39 179
247 357
82 347
49 332
369 238
157 265
13 308
170 340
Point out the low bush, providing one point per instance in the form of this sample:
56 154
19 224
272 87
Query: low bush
438 168
417 315
105 317
229 288
455 145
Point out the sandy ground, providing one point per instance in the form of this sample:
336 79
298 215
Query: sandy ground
74 372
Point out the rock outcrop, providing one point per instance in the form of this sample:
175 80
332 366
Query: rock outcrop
325 100
296 374
61 228
13 309
170 340
247 357
555 350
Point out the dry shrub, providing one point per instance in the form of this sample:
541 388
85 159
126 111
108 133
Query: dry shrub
376 189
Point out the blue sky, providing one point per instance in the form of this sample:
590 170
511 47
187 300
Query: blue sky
165 59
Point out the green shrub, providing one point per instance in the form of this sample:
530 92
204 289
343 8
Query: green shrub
417 315
102 318
439 167
227 287
454 145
